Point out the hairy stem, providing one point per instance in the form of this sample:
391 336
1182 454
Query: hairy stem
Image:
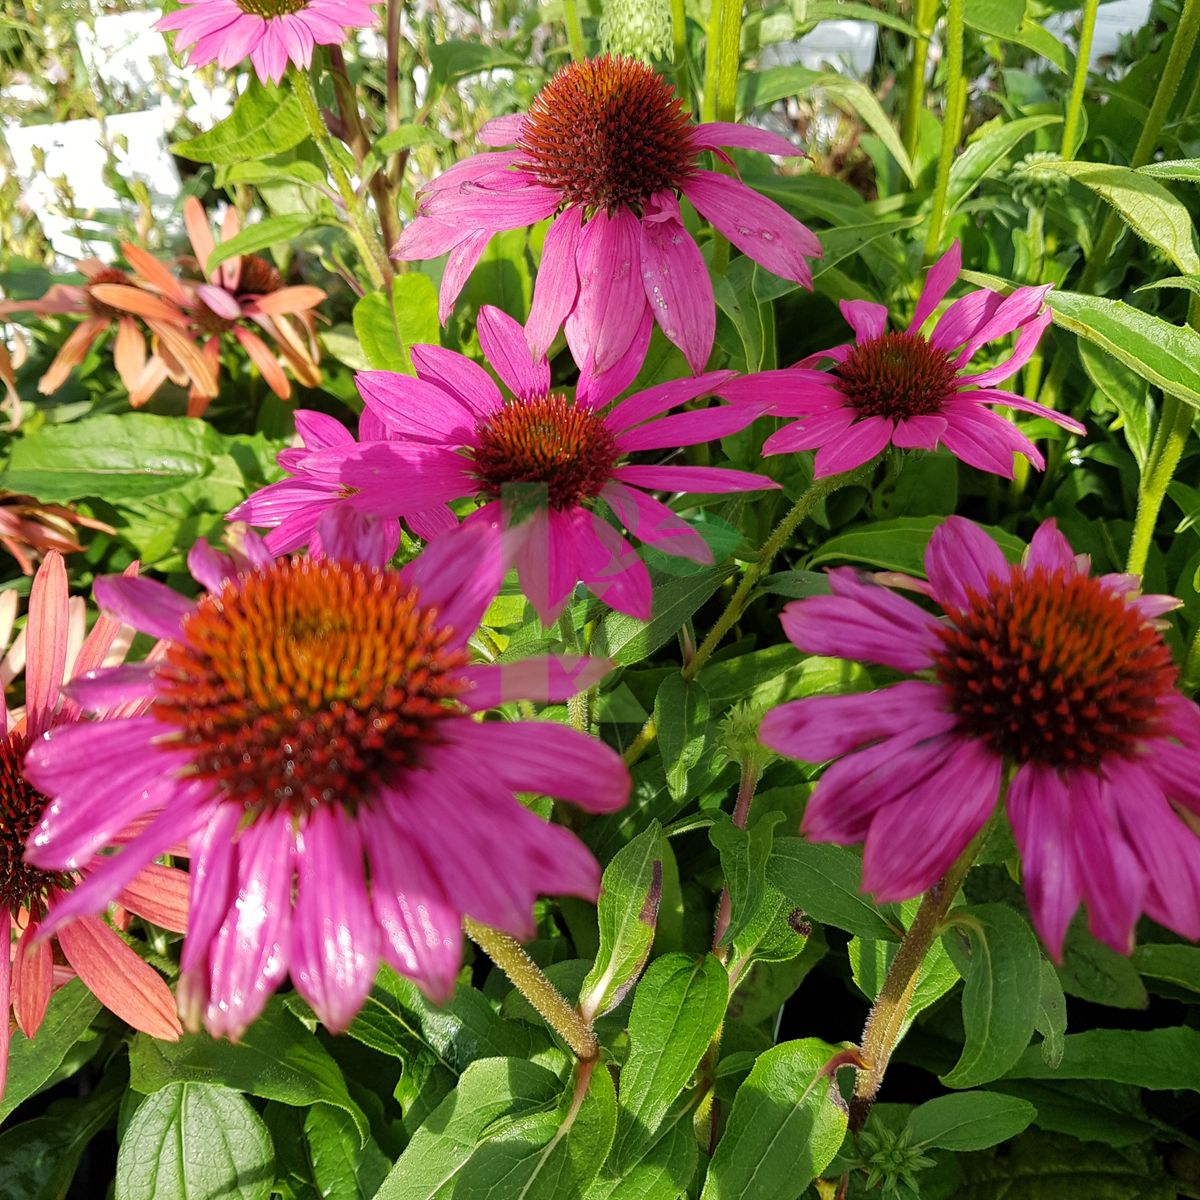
574 30
952 120
1087 28
924 18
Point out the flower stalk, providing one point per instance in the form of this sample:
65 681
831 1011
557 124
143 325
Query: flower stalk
574 30
1087 28
924 18
956 107
527 977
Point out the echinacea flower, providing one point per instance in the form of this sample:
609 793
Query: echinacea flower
141 373
32 963
29 527
272 32
1038 670
607 149
454 435
243 290
909 390
309 730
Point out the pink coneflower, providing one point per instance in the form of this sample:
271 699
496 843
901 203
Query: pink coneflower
550 457
32 966
607 146
1040 669
909 391
309 730
272 32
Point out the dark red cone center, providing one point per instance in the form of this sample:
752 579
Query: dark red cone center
1052 667
545 440
98 307
309 683
21 805
608 132
897 375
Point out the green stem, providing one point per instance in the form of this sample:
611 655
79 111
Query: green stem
679 54
374 259
817 491
890 1010
574 30
1079 83
720 86
956 106
924 18
1190 676
1174 428
526 976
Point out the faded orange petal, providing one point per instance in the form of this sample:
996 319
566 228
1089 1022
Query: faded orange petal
33 980
137 301
129 352
73 352
199 232
288 300
265 361
160 894
157 274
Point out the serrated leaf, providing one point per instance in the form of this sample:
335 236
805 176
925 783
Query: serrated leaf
826 882
277 1058
1176 168
677 1009
270 231
681 716
387 330
627 914
507 1132
785 1127
1001 973
969 1120
264 121
195 1141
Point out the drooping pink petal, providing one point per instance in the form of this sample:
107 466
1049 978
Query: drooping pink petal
918 433
938 282
611 298
809 433
504 346
467 381
5 996
863 621
32 979
428 237
1027 340
356 537
861 442
960 321
556 284
961 558
1011 400
460 262
1010 314
594 389
612 568
502 131
791 392
430 523
819 728
46 643
209 566
651 521
103 690
984 440
688 428
676 280
119 979
758 227
548 559
334 946
393 479
547 678
212 878
147 605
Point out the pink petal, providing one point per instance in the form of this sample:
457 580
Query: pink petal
463 379
641 406
416 409
938 282
556 284
961 559
1049 550
46 643
5 996
212 879
33 978
611 299
984 440
1010 314
431 522
863 621
1012 400
103 690
697 480
356 537
319 431
651 521
209 566
504 346
918 433
548 560
755 225
866 319
712 135
809 433
335 941
546 678
148 606
392 480
967 314
463 258
502 131
819 728
859 444
612 568
1027 340
594 389
791 392
428 237
160 895
688 428
676 280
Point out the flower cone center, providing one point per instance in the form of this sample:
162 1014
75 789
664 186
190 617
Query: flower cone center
897 375
97 307
272 8
1054 668
545 440
310 683
608 132
21 805
256 277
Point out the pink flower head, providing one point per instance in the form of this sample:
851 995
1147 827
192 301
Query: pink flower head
30 968
309 731
272 32
607 149
909 391
548 458
1038 669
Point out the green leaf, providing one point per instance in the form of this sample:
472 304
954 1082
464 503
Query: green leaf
396 1019
507 1132
403 137
661 1172
899 545
786 1125
271 231
1051 1020
627 913
1126 392
1007 20
1159 1059
1176 964
277 1058
1177 168
31 1062
810 12
826 882
860 100
969 1120
744 854
677 1009
129 456
986 152
1092 1111
386 331
1093 972
343 1168
265 121
1145 206
194 1141
450 60
681 715
1000 994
